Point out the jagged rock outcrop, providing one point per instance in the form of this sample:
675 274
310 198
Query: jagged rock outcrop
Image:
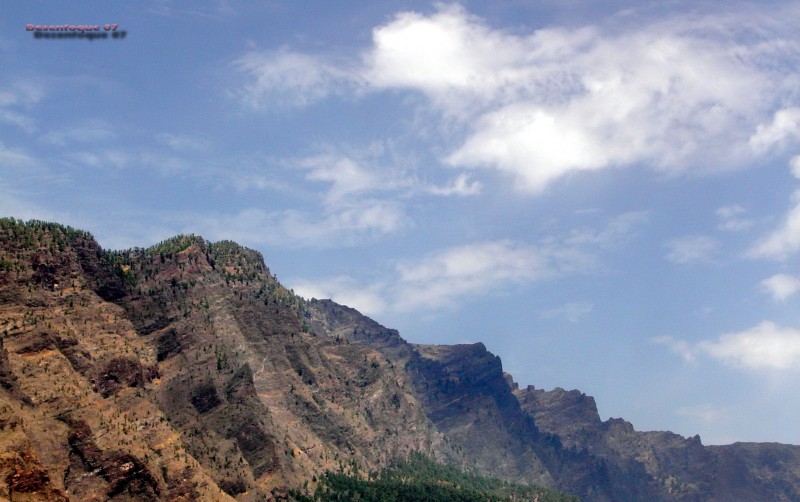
188 364
664 465
185 371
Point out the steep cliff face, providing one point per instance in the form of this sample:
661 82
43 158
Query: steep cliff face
664 465
78 420
185 371
464 394
180 370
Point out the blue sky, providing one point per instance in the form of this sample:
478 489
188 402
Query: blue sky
606 194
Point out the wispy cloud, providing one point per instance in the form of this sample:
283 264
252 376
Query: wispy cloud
692 249
346 291
279 79
443 277
618 230
680 347
92 132
732 218
183 142
460 186
347 176
15 205
15 158
573 312
706 412
449 277
446 277
346 225
15 98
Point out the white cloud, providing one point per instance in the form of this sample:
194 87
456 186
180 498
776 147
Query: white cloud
12 157
561 101
785 125
449 52
732 218
680 347
692 249
461 186
21 94
781 286
794 164
616 232
451 276
160 161
345 291
677 94
441 278
783 241
283 78
347 177
183 142
17 119
446 277
765 346
346 225
85 133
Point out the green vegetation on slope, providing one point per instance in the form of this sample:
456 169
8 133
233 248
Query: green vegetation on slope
420 479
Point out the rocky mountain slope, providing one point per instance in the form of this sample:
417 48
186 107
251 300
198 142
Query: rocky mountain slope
185 371
664 465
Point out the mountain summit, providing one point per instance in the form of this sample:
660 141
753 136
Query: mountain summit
186 371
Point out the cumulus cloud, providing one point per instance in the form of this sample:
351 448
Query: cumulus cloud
445 54
784 240
785 125
675 94
692 249
766 346
781 286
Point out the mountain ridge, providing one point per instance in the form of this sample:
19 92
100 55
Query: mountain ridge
186 371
